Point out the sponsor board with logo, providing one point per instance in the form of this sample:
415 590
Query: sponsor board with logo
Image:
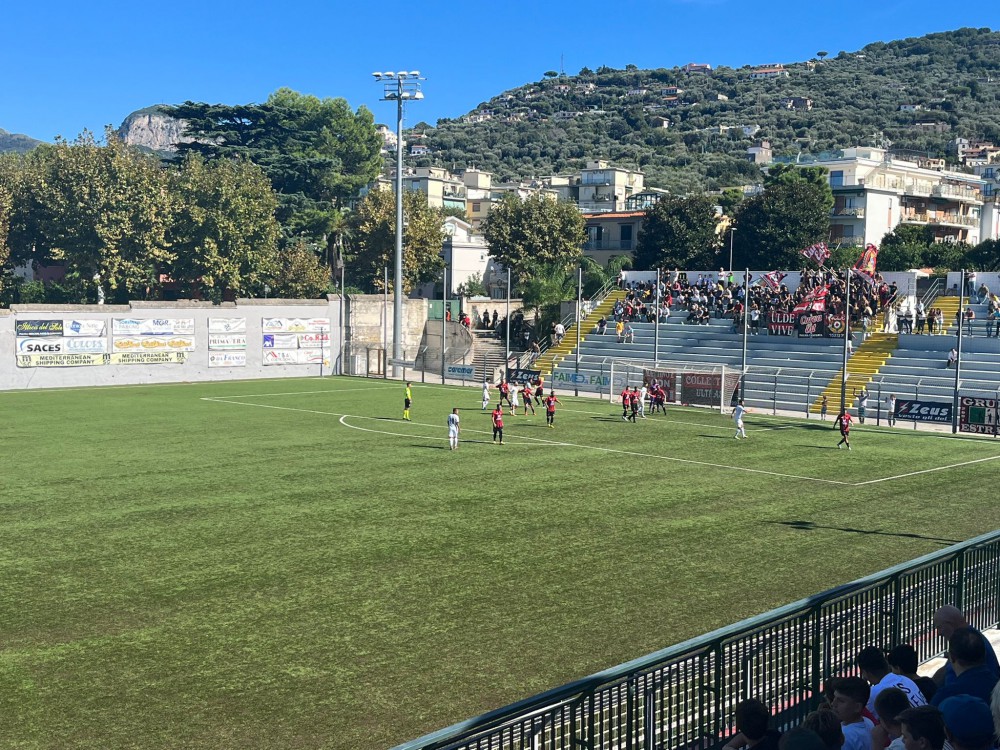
923 411
62 346
227 359
152 326
61 360
38 328
227 341
227 325
521 375
152 344
978 415
281 341
295 325
148 358
89 328
312 340
460 372
296 356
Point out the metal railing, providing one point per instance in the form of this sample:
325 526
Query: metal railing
684 696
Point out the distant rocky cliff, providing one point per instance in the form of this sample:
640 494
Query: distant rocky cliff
151 128
16 142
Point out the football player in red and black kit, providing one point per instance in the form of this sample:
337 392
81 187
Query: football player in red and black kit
844 422
504 389
550 408
526 395
498 424
626 401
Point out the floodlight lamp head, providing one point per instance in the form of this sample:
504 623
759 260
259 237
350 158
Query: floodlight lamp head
389 74
378 76
418 95
414 74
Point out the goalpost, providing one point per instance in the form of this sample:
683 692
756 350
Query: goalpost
689 384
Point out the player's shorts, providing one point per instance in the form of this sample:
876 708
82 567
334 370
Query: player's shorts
844 432
739 424
452 432
497 431
539 392
406 403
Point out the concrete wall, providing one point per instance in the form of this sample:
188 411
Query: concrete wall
370 321
195 366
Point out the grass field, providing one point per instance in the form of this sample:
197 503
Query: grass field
286 564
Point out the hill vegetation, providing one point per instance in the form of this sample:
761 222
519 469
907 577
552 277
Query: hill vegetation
840 100
16 143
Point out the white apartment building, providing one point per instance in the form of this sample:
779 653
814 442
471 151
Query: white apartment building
606 188
875 191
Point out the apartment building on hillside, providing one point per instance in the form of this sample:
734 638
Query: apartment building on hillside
874 192
606 188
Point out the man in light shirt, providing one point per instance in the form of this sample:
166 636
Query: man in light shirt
875 668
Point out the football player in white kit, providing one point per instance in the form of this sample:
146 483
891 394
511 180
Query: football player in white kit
738 413
453 429
486 394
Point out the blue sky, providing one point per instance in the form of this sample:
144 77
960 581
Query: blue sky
69 66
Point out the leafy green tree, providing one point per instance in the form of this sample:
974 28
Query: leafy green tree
472 287
545 290
6 207
299 274
224 232
101 211
985 256
678 232
773 227
374 232
596 276
904 248
787 174
534 234
316 152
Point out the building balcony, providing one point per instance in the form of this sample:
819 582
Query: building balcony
950 220
849 213
592 245
847 241
956 192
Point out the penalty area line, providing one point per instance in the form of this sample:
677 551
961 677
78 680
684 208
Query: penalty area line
927 471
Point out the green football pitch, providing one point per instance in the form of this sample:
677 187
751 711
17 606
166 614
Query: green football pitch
288 564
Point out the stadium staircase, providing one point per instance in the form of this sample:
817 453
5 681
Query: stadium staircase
949 307
555 354
862 367
489 355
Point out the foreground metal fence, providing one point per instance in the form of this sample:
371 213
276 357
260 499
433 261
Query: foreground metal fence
683 697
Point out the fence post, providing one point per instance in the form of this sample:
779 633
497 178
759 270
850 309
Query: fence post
774 395
916 397
878 414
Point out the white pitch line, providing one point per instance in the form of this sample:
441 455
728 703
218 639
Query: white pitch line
424 424
302 393
927 471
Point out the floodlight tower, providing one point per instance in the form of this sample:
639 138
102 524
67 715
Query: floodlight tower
399 87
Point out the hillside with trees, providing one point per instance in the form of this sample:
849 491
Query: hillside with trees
948 82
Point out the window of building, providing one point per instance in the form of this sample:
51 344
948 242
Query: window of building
626 236
837 178
476 207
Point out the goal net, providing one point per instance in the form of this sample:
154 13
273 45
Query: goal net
714 386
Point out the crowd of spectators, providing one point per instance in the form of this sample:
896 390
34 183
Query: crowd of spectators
887 704
697 300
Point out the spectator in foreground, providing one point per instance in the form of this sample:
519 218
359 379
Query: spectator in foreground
947 620
849 698
922 728
903 660
801 738
752 728
826 725
968 723
890 703
874 668
973 676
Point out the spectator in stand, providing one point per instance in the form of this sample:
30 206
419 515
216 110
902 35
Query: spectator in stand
752 730
873 667
827 726
967 657
947 620
890 417
970 284
982 294
968 723
560 332
970 318
922 728
849 698
602 326
889 732
620 330
903 660
952 358
755 319
629 335
993 324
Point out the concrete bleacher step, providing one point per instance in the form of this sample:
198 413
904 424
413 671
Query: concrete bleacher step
555 354
866 362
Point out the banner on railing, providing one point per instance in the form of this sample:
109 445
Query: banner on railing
780 323
977 415
923 411
666 379
521 375
706 388
460 372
